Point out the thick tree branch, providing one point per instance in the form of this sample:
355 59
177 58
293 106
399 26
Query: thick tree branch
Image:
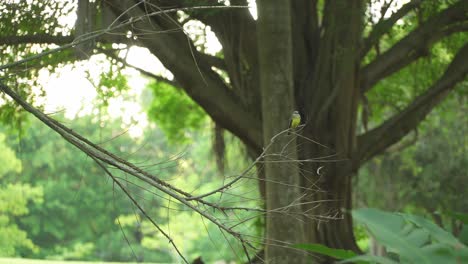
228 26
195 75
377 140
237 33
385 25
415 44
213 61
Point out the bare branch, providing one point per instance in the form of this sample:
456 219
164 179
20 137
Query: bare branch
391 131
37 39
105 157
134 201
113 55
415 44
385 25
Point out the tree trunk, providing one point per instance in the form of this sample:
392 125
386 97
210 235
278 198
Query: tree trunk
284 225
329 103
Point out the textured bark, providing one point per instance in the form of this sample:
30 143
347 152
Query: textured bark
283 221
85 22
219 148
330 110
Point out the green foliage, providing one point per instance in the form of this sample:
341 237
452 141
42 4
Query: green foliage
390 95
324 250
409 238
459 216
428 175
8 159
78 251
413 238
175 112
12 115
24 18
463 219
17 16
80 204
114 247
41 261
78 218
112 83
14 199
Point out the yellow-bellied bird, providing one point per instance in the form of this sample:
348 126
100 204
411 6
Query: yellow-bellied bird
294 121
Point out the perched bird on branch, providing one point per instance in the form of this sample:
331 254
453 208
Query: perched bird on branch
294 121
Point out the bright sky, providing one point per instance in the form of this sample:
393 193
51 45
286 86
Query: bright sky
69 90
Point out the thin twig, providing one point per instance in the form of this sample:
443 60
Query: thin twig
139 207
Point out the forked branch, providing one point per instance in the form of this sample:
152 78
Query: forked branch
416 44
391 131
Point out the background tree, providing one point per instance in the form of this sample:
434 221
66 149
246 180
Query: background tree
424 173
340 54
75 213
15 198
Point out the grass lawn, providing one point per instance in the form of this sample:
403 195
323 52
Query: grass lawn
41 261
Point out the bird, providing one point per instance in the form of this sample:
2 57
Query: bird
294 121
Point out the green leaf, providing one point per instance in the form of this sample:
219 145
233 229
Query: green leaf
324 250
434 230
463 236
414 238
387 229
369 259
175 112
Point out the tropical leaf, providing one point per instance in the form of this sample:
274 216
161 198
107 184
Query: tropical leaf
369 259
413 238
324 250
